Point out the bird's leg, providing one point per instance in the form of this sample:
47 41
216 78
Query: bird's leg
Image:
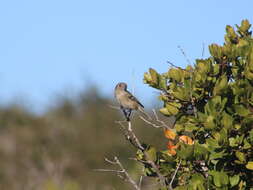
129 111
126 112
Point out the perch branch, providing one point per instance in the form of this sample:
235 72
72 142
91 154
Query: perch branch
132 138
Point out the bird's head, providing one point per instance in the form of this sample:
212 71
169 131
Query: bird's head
121 86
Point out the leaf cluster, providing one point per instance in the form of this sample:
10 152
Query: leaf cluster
212 102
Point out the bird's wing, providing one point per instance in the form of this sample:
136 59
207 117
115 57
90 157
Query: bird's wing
130 96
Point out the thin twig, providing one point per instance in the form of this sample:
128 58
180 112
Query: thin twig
174 175
122 173
129 179
110 161
141 177
145 113
203 49
160 121
150 123
114 107
107 170
184 54
173 65
133 81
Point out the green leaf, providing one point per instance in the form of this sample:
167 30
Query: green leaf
154 76
182 94
209 124
246 144
232 142
251 136
162 83
197 182
234 180
240 156
173 107
202 66
249 165
176 74
241 110
185 151
215 50
216 155
216 178
220 85
231 32
165 111
200 152
212 143
220 178
245 25
151 153
227 120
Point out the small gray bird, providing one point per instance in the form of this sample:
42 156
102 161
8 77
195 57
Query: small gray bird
126 100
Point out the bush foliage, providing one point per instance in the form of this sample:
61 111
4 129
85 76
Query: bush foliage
212 139
59 149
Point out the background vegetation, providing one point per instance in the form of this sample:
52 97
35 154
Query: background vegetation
60 148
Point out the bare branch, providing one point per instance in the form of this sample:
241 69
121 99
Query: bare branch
184 54
203 50
132 138
114 107
122 173
110 161
145 113
160 121
150 123
107 170
174 175
130 135
128 178
141 177
162 179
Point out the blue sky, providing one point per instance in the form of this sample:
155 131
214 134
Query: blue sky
51 47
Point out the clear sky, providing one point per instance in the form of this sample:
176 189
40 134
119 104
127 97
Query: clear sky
51 46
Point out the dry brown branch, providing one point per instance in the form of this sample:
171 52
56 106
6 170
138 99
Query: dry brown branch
132 138
162 124
160 121
130 135
145 113
150 123
121 173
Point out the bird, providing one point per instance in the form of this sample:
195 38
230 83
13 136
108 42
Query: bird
126 100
